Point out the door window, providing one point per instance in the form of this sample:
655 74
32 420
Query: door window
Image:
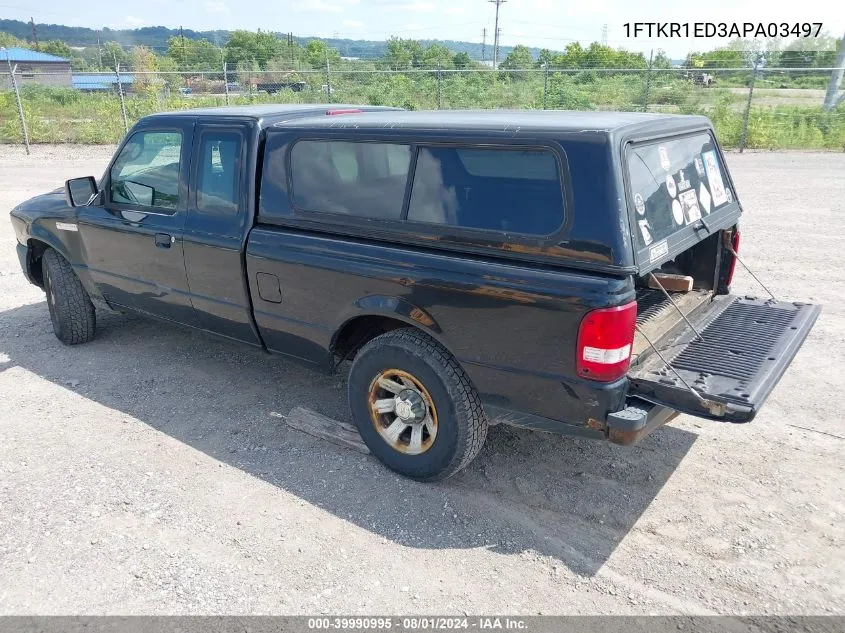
146 172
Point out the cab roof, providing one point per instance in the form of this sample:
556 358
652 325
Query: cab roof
511 122
269 114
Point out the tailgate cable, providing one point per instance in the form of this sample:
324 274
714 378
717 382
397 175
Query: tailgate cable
726 242
672 301
716 408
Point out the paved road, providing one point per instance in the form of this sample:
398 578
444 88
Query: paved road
150 471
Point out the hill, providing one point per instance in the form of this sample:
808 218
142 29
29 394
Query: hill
155 37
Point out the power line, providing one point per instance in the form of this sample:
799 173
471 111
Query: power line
553 26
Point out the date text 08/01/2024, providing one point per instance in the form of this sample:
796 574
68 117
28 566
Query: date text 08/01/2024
722 29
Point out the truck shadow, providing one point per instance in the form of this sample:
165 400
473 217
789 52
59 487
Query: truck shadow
569 499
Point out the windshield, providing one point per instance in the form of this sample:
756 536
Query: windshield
675 183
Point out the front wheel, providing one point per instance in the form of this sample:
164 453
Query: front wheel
414 406
71 310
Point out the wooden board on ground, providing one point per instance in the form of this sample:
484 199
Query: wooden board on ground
313 423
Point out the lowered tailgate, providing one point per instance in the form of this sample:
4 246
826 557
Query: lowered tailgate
747 345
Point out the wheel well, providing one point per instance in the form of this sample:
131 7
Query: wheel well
358 331
35 252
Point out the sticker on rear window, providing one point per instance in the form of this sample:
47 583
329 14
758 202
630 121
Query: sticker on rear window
658 250
714 178
647 238
671 187
677 212
689 205
704 198
639 203
683 181
664 157
699 167
729 195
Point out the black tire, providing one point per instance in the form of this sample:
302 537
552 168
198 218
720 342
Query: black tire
461 422
71 310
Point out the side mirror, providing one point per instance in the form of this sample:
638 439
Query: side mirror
80 191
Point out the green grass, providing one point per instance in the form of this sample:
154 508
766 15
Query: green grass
63 115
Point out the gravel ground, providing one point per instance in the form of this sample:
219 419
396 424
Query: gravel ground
149 472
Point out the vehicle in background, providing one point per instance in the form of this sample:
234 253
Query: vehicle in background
273 87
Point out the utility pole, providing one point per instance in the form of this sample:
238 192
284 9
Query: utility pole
34 34
498 3
604 35
484 44
182 37
832 96
328 78
99 52
496 53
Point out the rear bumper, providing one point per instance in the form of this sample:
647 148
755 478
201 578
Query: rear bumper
627 427
636 421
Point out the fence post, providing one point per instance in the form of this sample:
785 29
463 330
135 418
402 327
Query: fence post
328 78
120 92
20 105
648 80
226 80
545 85
743 139
439 86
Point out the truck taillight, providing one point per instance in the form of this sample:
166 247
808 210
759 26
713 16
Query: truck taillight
735 246
605 339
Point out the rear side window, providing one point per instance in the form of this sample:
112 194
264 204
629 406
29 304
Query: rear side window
675 183
361 179
503 190
219 172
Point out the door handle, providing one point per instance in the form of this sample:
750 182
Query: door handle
163 240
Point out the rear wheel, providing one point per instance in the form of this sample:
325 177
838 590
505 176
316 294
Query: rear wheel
71 310
414 406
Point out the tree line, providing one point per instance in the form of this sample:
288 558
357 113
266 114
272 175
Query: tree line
246 51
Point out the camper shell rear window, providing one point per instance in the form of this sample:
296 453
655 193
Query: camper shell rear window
675 184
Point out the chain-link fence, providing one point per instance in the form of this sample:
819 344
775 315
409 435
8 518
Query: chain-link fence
772 108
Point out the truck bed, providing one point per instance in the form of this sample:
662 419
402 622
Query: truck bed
656 315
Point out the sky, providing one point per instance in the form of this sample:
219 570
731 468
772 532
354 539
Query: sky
542 23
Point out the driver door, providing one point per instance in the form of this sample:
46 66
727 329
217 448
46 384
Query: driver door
132 235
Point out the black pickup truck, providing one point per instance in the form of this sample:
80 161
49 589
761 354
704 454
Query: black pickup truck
561 271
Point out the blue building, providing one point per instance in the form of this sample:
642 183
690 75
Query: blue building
102 82
34 67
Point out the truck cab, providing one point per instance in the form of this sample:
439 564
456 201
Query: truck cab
561 271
